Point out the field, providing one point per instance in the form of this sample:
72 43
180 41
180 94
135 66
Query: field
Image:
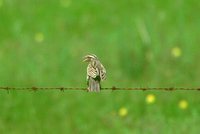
141 44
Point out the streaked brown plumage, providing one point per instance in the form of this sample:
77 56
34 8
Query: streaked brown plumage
95 72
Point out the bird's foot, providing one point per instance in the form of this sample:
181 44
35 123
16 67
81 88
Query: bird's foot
88 89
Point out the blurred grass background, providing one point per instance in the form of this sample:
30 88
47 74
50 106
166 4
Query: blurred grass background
141 44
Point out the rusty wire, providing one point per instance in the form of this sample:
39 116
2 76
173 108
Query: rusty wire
34 88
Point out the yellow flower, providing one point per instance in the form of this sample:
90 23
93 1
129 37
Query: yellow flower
183 104
39 37
65 3
150 98
176 52
123 112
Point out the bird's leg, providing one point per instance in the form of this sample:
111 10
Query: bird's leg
88 88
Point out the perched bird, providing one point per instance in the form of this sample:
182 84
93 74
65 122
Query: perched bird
95 72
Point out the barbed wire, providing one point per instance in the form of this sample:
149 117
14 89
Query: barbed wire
34 88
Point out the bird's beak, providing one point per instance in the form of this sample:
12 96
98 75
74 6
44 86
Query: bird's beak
85 59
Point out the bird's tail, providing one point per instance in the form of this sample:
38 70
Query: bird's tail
93 85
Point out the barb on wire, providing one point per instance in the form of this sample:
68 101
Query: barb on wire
34 88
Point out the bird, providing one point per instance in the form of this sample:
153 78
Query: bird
95 72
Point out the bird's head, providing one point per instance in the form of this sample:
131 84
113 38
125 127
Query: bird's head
89 58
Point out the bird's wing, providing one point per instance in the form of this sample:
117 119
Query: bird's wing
92 71
102 72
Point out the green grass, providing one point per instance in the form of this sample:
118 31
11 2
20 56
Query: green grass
134 41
